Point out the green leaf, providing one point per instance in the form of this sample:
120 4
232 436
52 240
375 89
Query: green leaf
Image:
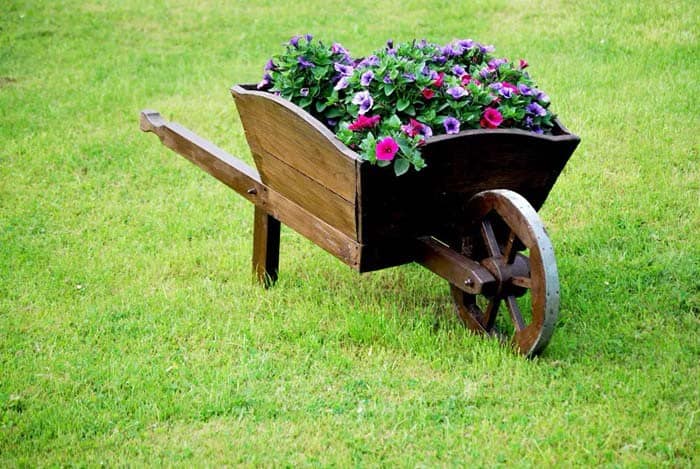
401 166
320 106
402 104
388 89
383 163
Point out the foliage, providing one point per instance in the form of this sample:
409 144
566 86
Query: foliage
386 104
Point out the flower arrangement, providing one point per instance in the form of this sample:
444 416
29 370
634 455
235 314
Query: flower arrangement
385 105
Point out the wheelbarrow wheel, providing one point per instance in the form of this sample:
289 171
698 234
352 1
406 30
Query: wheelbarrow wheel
506 236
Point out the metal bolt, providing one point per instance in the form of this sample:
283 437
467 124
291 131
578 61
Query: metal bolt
252 191
469 282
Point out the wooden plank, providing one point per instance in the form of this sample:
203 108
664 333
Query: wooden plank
307 193
246 181
277 127
266 247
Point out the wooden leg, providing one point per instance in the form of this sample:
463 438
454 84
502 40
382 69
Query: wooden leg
266 248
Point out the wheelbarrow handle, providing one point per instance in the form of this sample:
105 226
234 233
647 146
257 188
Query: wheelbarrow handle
226 168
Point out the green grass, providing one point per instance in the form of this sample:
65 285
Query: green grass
130 331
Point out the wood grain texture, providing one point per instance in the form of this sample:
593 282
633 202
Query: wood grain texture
266 247
307 193
246 181
275 126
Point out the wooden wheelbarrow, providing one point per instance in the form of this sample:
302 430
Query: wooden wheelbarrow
470 216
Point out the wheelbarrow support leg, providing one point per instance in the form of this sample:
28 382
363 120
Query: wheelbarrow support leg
266 247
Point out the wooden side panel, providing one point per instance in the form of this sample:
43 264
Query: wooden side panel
325 204
433 201
277 127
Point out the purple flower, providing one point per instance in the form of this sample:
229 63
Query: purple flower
270 65
458 70
294 41
344 70
536 109
366 78
308 37
387 79
495 63
336 48
391 51
303 63
542 97
370 61
524 90
466 43
364 100
304 91
422 44
485 72
440 59
266 80
486 49
456 92
496 86
409 77
538 130
506 92
451 125
429 73
342 84
390 44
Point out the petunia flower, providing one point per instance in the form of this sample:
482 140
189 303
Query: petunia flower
342 83
542 97
458 70
491 118
415 127
364 122
457 92
270 65
366 78
522 64
304 63
536 109
266 80
409 77
439 79
386 149
524 90
337 48
428 93
364 100
451 125
344 70
387 79
304 92
294 41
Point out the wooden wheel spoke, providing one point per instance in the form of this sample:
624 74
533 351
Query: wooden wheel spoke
515 313
491 312
509 251
490 239
524 282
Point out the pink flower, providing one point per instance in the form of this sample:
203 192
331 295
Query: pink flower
510 86
466 79
522 64
438 81
386 149
364 122
428 93
491 118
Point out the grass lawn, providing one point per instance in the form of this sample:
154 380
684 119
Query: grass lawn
130 330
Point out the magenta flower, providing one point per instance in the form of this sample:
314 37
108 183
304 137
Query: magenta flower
428 93
364 122
522 63
364 100
451 125
491 118
439 79
386 149
415 127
